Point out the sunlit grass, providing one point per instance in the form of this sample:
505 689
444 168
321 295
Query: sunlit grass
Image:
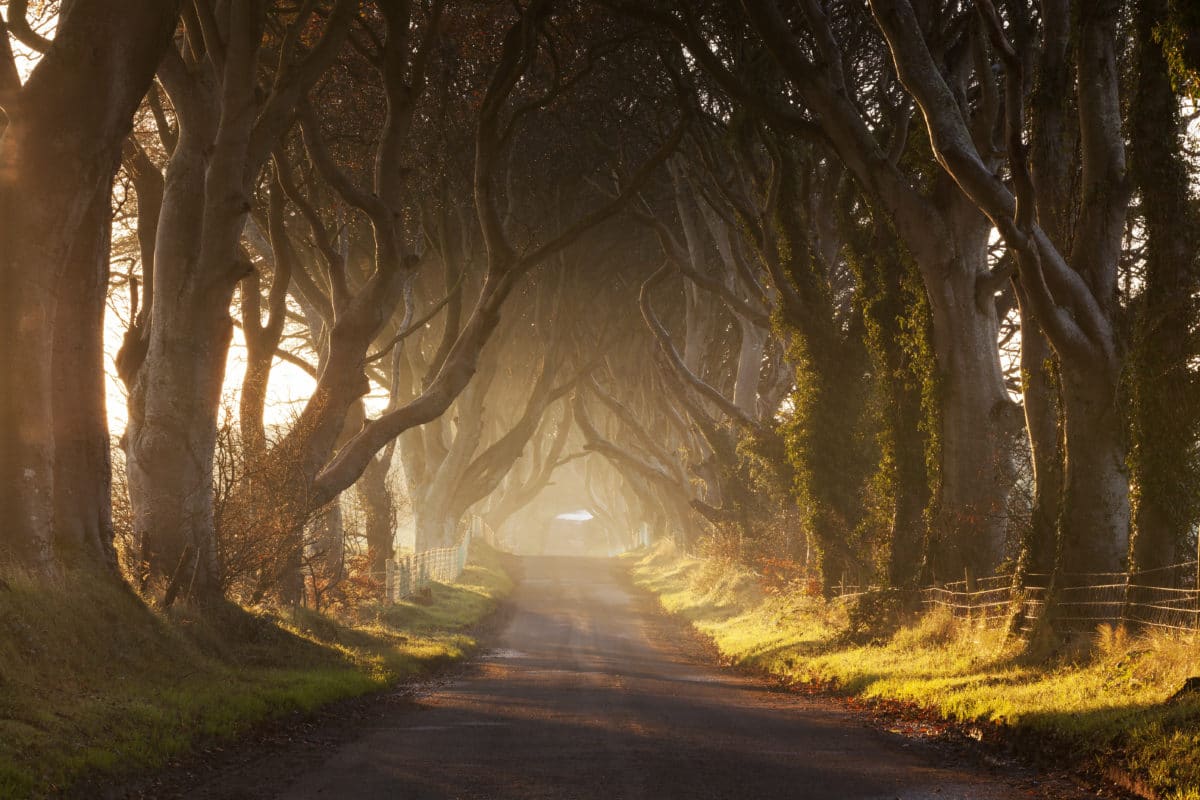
93 683
1103 699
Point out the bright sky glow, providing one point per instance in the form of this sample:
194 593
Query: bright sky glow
582 515
287 391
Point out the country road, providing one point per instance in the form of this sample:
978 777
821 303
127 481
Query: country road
589 693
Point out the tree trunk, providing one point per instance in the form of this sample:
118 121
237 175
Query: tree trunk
1095 518
83 531
329 545
176 387
1040 389
171 439
979 423
750 358
260 356
897 336
58 151
830 468
380 510
434 476
175 394
911 488
1164 410
1054 131
907 445
434 527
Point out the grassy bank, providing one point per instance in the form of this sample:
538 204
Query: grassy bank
92 682
1104 700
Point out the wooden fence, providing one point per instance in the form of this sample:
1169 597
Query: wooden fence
1167 598
410 573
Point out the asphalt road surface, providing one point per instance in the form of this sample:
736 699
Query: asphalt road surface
590 693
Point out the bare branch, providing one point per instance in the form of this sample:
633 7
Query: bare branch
18 25
10 78
291 85
413 327
676 360
284 354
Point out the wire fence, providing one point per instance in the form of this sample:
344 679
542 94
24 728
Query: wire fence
1167 598
408 574
992 602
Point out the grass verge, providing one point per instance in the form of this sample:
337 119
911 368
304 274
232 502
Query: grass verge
1105 700
95 684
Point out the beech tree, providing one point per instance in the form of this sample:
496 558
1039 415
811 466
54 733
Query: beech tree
1165 417
174 365
505 265
864 123
1075 296
790 278
226 129
63 128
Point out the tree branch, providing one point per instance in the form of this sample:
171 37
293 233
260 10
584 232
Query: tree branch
676 361
18 25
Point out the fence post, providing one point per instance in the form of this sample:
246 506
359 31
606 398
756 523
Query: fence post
1126 600
408 573
968 593
1196 616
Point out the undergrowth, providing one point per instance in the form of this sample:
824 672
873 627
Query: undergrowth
1104 698
95 685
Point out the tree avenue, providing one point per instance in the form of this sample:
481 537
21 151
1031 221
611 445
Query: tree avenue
894 292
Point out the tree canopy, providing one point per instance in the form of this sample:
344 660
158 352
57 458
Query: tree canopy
893 292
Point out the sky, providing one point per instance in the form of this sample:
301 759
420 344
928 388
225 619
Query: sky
582 515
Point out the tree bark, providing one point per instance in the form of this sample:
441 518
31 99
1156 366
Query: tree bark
898 333
1040 390
58 152
979 423
1164 411
176 387
1095 522
435 514
171 438
1074 295
83 532
1054 166
227 129
328 545
947 237
380 511
749 366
